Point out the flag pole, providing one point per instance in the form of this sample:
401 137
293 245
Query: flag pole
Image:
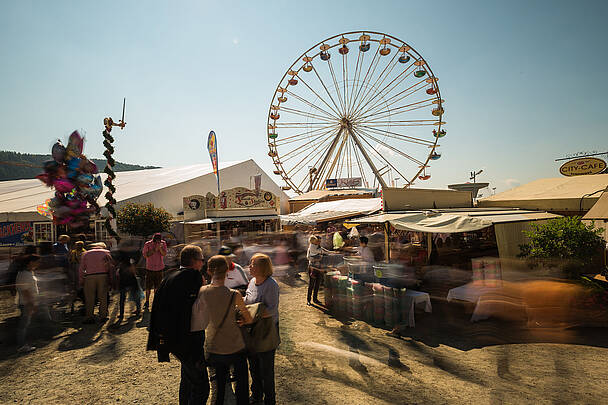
212 148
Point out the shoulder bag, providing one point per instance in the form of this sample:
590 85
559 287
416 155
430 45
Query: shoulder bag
262 335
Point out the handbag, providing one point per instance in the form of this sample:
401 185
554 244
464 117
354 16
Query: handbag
262 335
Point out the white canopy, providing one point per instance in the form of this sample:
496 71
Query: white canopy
452 220
333 210
233 219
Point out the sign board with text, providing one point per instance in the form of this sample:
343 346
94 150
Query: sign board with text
583 166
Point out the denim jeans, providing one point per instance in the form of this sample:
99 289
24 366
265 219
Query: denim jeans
220 366
261 366
194 383
134 291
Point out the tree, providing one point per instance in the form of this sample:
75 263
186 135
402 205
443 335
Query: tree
142 219
567 241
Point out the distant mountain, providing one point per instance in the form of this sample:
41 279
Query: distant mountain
16 166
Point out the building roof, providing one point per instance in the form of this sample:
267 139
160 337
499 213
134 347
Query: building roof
315 195
599 209
553 194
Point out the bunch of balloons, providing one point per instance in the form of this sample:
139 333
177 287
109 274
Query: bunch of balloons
77 185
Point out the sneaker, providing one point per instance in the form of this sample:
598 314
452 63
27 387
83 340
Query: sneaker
26 349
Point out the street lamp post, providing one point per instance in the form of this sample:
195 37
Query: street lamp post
475 174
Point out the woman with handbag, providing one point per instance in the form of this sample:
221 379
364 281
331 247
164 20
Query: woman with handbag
263 288
215 309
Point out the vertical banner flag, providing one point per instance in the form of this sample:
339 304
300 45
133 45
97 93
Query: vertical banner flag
212 147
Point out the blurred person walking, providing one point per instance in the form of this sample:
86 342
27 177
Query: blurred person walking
263 288
27 296
96 268
73 266
235 276
176 329
215 310
61 247
127 283
154 251
365 251
314 256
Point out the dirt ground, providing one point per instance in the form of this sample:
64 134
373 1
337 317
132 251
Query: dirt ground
322 360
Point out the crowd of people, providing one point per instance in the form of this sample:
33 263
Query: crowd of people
204 301
203 307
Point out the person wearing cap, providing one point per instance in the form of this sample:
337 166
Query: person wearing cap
96 267
235 276
154 251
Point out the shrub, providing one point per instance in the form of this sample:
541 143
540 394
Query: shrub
142 219
567 241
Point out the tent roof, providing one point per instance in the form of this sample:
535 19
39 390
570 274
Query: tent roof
560 193
232 219
25 195
319 194
452 220
333 210
599 209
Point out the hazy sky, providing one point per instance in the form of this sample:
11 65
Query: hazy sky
523 80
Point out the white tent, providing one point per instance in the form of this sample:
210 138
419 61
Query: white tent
164 187
333 210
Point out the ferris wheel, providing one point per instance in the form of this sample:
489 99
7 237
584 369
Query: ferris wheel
360 107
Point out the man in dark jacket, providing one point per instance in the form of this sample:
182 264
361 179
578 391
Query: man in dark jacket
170 326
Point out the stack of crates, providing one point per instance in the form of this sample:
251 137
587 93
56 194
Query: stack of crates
367 302
343 283
392 310
358 288
487 271
403 305
329 288
378 314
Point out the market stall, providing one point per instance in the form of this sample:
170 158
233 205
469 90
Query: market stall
236 211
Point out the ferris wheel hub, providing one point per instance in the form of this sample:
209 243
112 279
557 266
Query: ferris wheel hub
345 123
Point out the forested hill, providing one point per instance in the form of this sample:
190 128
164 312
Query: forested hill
15 165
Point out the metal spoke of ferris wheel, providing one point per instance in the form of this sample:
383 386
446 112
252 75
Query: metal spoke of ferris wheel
380 104
309 104
388 162
336 112
376 100
371 89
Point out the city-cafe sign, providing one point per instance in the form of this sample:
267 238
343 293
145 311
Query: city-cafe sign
579 167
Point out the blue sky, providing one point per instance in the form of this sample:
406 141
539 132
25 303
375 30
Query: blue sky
523 80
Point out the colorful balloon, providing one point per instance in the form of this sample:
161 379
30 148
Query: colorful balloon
76 187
